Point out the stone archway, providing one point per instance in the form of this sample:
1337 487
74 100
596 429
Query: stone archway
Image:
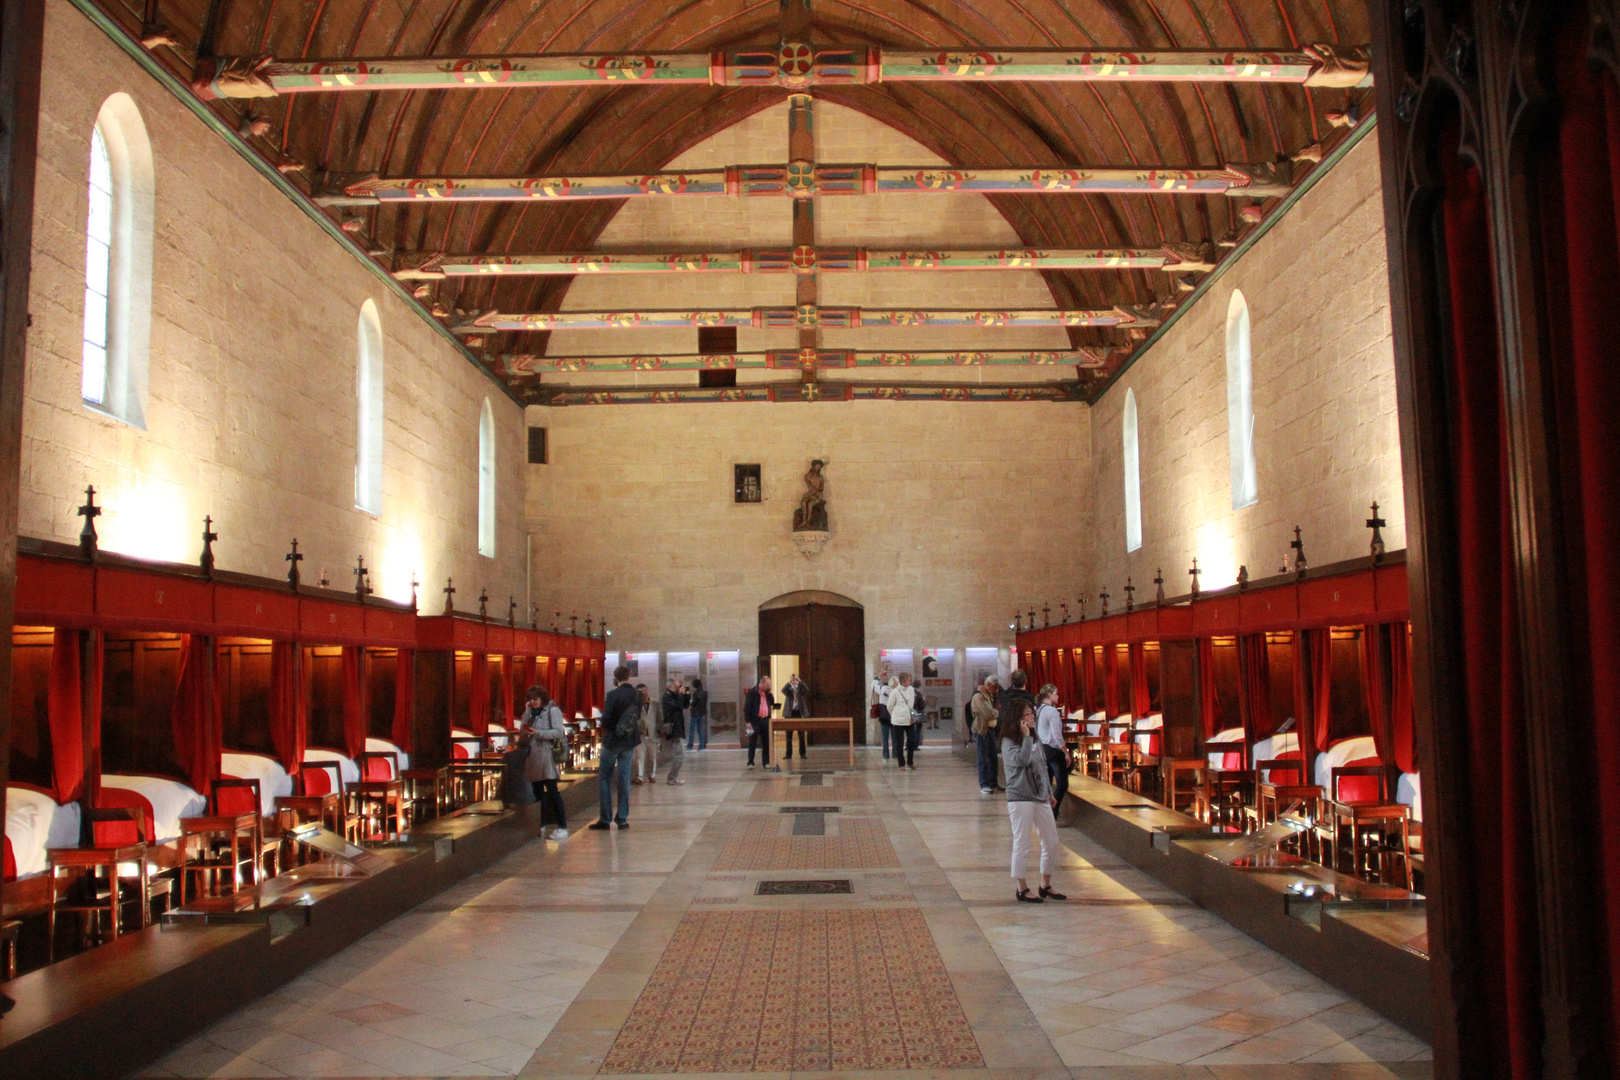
827 632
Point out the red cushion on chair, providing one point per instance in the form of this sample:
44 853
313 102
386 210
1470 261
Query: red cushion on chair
377 769
109 834
235 800
459 751
317 780
8 869
1231 760
1360 788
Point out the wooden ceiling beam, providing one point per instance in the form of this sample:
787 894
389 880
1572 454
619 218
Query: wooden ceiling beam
802 317
802 392
1178 258
793 66
789 359
805 180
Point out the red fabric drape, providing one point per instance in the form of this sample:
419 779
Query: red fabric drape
1141 698
1372 652
354 701
400 732
98 670
478 696
1403 742
1063 677
1111 681
289 716
1499 833
576 686
598 685
195 722
1319 646
556 676
1254 687
1209 699
1088 680
64 702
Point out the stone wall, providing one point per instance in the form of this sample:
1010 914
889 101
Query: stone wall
1326 440
251 410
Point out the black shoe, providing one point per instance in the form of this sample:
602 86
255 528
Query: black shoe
600 825
623 825
1049 893
1026 897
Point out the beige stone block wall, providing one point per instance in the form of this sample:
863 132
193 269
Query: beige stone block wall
251 409
1326 439
944 516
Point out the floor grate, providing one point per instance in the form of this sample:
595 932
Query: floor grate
807 810
825 887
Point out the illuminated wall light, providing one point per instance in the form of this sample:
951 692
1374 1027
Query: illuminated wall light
1217 555
148 518
401 557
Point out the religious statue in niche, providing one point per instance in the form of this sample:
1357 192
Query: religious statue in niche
811 516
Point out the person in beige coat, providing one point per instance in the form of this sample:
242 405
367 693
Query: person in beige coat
548 740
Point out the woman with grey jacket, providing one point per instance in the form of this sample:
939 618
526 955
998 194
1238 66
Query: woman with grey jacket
1029 805
548 737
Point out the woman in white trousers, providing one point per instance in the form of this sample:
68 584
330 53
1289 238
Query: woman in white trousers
1029 804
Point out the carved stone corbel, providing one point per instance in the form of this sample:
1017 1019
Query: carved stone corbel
1261 180
1188 258
420 266
234 77
1340 66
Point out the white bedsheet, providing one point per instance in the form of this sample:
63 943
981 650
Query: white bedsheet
1409 792
34 822
383 746
273 779
1145 727
1223 742
1340 754
171 800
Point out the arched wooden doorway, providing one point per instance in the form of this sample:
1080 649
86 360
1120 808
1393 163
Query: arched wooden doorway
828 634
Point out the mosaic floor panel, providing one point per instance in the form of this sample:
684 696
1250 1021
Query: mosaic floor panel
759 844
837 789
769 991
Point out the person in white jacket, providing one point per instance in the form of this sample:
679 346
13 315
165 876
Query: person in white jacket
902 697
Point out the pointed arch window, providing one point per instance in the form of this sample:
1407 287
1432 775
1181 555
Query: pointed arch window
486 481
1133 477
1240 404
118 264
368 393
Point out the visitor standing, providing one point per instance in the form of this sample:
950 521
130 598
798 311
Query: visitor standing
901 698
1049 729
647 752
757 706
672 726
1029 801
548 736
697 727
621 734
795 702
882 683
982 711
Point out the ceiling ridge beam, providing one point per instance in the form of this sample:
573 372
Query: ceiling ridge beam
790 359
804 316
793 66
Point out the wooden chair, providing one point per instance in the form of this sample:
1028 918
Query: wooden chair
96 887
1119 764
225 845
1225 794
1091 751
1356 828
8 947
320 798
239 796
1279 783
427 791
379 793
1181 779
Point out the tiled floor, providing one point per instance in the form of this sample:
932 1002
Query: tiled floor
649 952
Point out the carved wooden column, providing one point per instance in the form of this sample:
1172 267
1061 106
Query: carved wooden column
22 35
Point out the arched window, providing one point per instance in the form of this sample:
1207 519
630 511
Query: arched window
486 481
1133 477
368 394
1240 403
118 263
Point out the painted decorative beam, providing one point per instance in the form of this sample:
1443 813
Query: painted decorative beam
800 392
802 317
793 66
804 180
803 260
780 359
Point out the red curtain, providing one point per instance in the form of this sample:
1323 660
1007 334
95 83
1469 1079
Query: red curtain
1088 680
1209 699
354 700
64 704
289 717
195 723
556 677
1141 699
1254 687
1498 854
576 685
1403 742
404 700
478 696
1373 653
1319 646
1111 681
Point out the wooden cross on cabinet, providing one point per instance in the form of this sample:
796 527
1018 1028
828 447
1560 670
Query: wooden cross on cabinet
293 558
449 596
88 540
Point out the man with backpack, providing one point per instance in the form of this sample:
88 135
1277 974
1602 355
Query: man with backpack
621 734
982 712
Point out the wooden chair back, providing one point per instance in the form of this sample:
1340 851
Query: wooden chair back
320 778
237 796
1369 784
378 765
1293 766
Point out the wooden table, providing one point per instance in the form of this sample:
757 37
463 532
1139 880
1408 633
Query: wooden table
8 947
88 861
328 809
1356 816
389 795
787 724
239 832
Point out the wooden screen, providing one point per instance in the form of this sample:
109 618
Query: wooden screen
31 760
244 695
325 667
830 642
381 666
137 704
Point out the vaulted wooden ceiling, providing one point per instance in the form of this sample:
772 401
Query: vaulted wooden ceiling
607 127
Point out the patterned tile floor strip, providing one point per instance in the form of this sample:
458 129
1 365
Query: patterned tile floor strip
832 790
766 991
757 844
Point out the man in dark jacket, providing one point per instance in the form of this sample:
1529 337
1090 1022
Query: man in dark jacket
672 726
1011 706
795 702
756 718
621 734
697 728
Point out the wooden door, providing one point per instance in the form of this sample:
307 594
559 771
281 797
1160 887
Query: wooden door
830 642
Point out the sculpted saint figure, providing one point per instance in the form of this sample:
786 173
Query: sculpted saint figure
811 514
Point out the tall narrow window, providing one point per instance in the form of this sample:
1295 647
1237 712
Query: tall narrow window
368 394
118 263
1133 477
1240 403
486 481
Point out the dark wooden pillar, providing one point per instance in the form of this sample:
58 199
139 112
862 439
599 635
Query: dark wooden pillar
435 674
1468 98
22 39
